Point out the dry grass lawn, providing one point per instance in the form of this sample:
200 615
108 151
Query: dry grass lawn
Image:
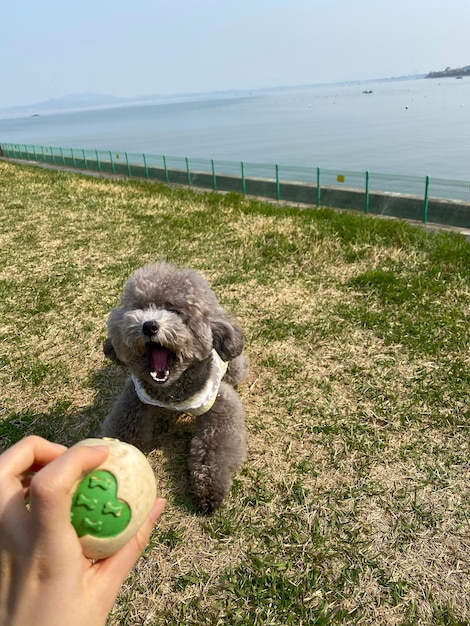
354 505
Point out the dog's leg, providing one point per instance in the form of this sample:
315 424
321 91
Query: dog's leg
130 420
217 449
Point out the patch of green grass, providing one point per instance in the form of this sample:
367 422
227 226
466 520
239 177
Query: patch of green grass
419 323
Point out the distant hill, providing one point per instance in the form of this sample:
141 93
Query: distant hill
67 103
78 100
450 72
83 101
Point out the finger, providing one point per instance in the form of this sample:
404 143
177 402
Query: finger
28 454
15 465
115 568
51 489
19 460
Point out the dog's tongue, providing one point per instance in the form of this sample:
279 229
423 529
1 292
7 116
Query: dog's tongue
159 357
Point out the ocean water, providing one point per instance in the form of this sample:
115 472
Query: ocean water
413 127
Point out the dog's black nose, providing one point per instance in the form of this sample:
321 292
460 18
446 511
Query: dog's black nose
150 328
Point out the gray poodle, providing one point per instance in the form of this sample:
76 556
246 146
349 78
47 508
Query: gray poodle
184 355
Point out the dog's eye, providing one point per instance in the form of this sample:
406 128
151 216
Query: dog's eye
171 308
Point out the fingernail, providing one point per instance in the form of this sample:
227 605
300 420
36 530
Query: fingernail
157 509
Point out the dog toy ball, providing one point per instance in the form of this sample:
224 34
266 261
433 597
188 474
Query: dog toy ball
110 503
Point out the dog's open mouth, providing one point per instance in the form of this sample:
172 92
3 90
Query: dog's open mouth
160 360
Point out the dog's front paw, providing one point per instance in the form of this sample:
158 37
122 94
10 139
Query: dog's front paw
209 498
211 478
218 449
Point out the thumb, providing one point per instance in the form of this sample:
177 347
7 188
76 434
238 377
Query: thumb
51 487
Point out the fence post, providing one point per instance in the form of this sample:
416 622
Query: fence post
43 155
214 177
366 206
145 166
34 152
62 155
278 184
167 178
84 158
113 168
127 164
188 173
98 161
426 200
318 187
243 179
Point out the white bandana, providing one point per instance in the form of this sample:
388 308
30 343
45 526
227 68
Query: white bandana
197 404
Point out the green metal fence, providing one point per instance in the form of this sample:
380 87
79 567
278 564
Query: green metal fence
409 197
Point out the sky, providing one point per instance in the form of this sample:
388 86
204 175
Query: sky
53 48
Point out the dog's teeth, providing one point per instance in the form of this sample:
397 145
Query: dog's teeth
160 377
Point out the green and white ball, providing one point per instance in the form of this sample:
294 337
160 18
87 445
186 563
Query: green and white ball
110 503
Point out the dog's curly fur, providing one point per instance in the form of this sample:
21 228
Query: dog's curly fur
173 312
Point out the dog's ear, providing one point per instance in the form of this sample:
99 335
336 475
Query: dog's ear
110 352
227 338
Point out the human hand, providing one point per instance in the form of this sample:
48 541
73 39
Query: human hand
44 577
